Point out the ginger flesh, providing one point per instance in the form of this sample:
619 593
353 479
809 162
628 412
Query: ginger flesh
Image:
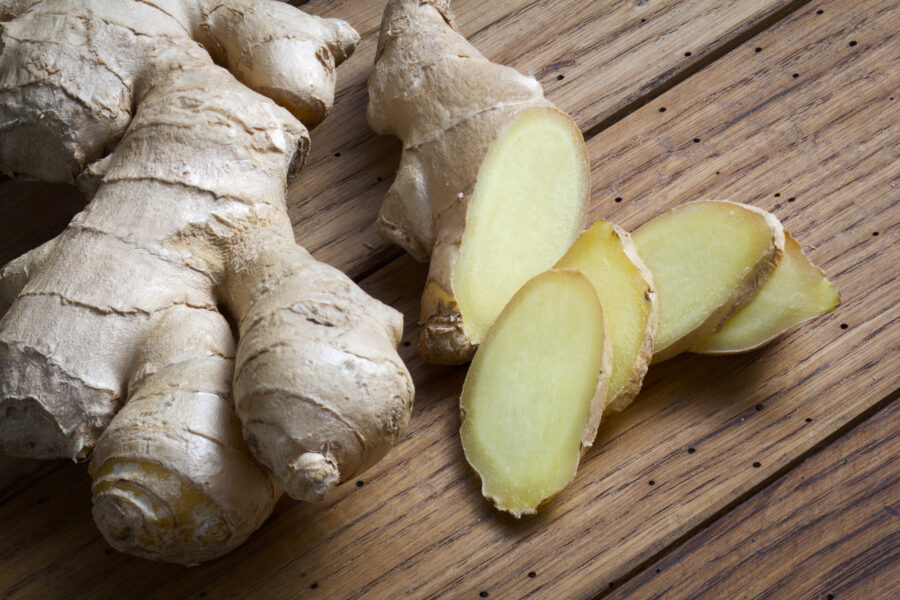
607 257
525 212
707 260
534 392
796 292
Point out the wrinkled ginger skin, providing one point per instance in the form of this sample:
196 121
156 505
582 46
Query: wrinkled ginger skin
120 50
187 222
447 103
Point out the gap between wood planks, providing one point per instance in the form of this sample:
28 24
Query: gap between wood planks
753 491
668 80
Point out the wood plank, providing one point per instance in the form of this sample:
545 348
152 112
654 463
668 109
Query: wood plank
828 529
606 54
418 527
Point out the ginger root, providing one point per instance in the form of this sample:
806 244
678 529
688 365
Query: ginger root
493 182
186 229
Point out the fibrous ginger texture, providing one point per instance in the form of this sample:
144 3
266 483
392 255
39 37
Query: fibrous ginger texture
493 181
535 391
187 167
708 259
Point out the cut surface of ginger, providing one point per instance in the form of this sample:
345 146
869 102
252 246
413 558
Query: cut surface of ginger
606 255
707 258
796 292
527 209
535 390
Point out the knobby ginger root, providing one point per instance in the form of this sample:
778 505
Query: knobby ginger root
708 259
187 221
493 181
606 255
535 391
796 292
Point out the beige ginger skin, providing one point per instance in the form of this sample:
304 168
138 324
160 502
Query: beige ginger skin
117 336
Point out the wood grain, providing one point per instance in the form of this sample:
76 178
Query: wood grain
418 528
829 529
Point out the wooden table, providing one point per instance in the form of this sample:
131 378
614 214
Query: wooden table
769 475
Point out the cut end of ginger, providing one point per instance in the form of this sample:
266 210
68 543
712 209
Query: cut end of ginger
606 255
526 210
708 259
796 292
535 390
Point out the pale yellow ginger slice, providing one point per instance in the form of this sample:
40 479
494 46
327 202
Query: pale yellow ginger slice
493 182
708 259
606 255
535 391
796 292
526 209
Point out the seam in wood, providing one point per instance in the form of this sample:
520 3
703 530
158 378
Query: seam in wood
671 547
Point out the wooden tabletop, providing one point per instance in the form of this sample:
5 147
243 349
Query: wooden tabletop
774 474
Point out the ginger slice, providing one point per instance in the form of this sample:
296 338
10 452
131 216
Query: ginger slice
526 210
796 292
708 259
606 255
535 391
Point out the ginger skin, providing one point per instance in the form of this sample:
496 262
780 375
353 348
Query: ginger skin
186 223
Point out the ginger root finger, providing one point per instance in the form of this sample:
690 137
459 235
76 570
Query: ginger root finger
708 259
280 52
607 256
494 180
796 292
318 385
173 479
534 394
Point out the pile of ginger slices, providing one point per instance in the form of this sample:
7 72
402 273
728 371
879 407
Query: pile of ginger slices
573 344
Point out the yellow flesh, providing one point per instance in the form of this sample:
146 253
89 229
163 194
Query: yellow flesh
598 253
179 512
527 396
797 291
698 254
526 210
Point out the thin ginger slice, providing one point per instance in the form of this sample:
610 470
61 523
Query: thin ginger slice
797 291
606 255
526 210
708 259
535 391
